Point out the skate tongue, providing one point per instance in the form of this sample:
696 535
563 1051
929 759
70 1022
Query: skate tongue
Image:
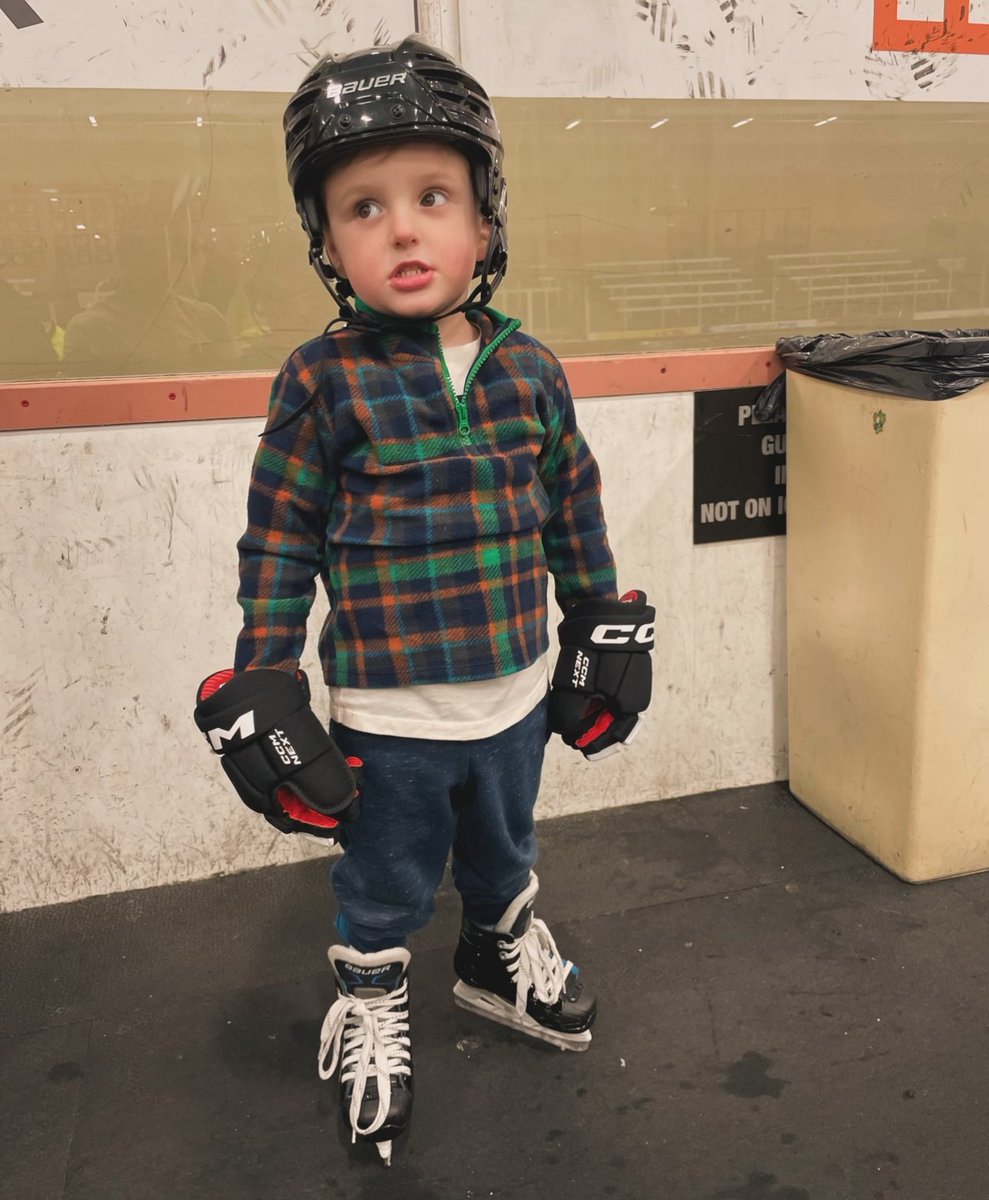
516 919
367 983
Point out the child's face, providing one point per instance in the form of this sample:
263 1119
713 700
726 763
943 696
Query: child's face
403 227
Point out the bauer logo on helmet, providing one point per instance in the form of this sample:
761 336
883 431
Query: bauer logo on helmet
335 90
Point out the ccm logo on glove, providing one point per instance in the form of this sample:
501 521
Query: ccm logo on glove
621 635
276 752
284 748
242 728
581 666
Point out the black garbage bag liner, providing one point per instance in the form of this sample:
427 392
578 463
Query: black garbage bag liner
915 363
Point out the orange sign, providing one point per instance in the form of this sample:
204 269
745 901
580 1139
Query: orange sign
956 34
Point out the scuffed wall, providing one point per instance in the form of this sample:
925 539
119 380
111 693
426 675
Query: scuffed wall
703 49
117 578
260 45
722 49
117 593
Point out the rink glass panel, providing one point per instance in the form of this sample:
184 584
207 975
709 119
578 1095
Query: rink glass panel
152 232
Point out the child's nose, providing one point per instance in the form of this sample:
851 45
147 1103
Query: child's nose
403 225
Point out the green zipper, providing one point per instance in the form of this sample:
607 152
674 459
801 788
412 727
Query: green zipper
460 402
463 423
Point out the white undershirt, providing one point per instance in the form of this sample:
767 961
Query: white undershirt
459 360
445 711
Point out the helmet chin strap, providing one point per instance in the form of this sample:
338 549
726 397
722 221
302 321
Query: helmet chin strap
341 291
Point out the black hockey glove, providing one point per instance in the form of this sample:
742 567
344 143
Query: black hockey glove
603 677
276 752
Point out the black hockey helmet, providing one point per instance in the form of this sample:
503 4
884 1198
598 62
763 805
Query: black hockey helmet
408 89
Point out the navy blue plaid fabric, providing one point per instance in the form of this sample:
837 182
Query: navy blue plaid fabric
433 523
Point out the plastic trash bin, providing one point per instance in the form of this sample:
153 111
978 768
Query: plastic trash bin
888 593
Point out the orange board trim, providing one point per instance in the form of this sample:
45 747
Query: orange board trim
156 399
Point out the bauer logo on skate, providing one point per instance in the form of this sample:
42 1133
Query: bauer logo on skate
242 728
284 748
335 90
621 635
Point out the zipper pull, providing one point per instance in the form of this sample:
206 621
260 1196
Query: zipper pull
463 420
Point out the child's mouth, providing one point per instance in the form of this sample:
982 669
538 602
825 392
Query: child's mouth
410 276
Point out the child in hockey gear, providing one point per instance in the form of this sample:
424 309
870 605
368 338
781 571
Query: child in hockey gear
276 753
603 677
366 1031
424 460
513 973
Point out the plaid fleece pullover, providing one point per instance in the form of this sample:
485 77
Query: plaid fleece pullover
431 519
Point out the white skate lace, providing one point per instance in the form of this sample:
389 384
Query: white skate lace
369 1037
534 961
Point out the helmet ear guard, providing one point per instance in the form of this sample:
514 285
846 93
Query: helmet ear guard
494 210
338 287
311 217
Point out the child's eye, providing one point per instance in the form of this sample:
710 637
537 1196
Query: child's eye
365 209
433 198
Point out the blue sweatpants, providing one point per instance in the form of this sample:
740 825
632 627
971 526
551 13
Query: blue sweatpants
422 798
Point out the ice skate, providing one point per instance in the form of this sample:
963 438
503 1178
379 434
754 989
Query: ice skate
366 1031
515 975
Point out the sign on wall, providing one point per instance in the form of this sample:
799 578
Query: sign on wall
739 469
947 27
